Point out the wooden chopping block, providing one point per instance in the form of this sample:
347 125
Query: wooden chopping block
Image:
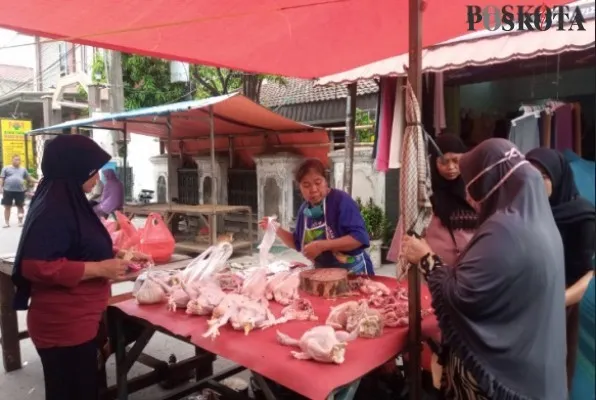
325 282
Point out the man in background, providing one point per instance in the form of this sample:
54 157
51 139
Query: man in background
13 185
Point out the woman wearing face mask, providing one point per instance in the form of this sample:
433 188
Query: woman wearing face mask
63 266
329 227
576 220
454 219
501 307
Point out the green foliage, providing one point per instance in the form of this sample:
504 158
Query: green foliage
211 81
98 69
374 219
366 135
147 82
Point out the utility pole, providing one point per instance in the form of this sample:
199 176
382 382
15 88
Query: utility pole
38 70
116 102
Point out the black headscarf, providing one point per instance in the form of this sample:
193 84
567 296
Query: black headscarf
60 222
449 196
567 205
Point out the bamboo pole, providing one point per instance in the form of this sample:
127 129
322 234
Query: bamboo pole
414 318
213 222
350 137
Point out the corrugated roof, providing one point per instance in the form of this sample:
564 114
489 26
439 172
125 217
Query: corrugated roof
302 91
16 73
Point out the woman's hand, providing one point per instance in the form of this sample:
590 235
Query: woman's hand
134 256
413 249
264 223
313 249
114 268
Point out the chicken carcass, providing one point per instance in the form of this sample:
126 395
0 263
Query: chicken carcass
338 316
254 286
273 281
252 314
286 291
209 297
223 312
321 343
298 309
152 291
370 287
229 281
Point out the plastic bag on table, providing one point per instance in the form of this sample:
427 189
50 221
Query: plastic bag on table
152 291
156 239
208 263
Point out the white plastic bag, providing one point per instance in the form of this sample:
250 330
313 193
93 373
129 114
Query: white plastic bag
267 241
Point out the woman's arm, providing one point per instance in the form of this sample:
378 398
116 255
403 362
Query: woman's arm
344 243
574 294
286 237
60 272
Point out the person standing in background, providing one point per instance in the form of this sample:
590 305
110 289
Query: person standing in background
13 180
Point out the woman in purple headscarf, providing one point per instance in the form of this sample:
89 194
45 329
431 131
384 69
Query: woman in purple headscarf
112 196
501 306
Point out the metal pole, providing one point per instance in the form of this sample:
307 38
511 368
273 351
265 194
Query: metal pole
124 161
169 161
415 322
214 185
350 137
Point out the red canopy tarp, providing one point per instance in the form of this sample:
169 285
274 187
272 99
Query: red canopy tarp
260 351
250 127
302 38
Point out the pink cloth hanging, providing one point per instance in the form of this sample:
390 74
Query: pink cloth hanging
439 104
397 126
395 247
385 122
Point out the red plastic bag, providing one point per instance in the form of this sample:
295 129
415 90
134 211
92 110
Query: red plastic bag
111 226
129 238
156 239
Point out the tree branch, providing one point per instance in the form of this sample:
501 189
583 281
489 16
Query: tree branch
210 88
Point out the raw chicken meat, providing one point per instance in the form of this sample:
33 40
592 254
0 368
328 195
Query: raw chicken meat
298 309
338 316
321 343
394 308
287 290
152 291
368 286
254 287
180 296
209 297
242 313
229 281
358 318
273 281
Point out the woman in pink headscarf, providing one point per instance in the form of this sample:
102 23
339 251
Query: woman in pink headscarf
112 196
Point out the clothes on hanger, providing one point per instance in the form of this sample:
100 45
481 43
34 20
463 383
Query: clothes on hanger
385 123
524 132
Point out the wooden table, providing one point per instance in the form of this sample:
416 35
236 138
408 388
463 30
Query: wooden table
206 212
9 327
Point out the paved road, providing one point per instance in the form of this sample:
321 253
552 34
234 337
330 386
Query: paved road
27 383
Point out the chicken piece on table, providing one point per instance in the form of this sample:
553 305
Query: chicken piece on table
298 309
209 298
273 281
252 314
286 291
228 307
321 343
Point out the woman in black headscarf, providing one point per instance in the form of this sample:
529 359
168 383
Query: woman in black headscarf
63 266
576 220
501 307
454 220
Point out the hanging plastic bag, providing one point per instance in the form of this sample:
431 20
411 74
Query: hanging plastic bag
156 239
111 226
130 236
267 241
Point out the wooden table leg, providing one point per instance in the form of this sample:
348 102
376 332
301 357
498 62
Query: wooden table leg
9 326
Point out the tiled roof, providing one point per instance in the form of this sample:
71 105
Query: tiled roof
15 73
303 91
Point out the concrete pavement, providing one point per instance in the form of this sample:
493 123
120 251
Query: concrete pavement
27 383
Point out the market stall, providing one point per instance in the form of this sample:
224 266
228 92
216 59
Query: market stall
231 124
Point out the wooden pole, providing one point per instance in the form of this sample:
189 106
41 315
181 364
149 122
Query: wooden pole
125 160
350 137
214 186
415 328
169 165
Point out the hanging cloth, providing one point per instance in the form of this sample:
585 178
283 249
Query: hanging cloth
397 127
388 99
439 104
